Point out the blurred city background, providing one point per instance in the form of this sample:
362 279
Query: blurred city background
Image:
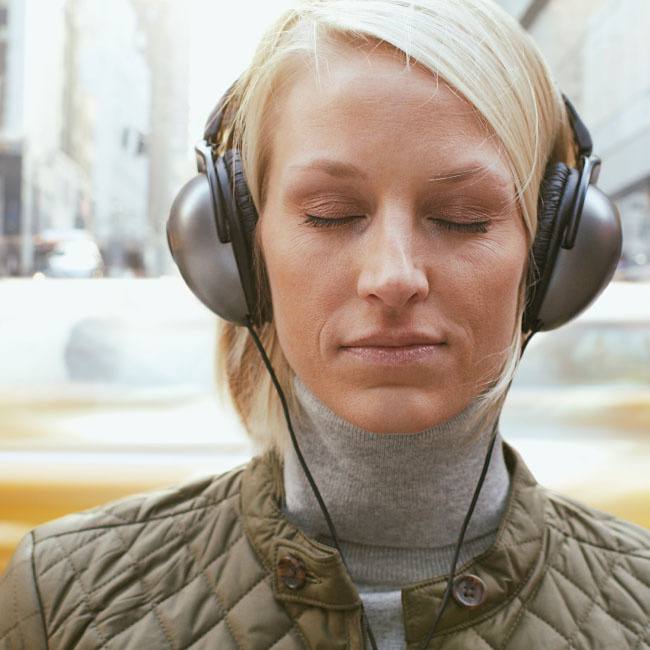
106 382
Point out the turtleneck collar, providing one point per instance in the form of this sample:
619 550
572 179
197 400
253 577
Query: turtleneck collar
395 491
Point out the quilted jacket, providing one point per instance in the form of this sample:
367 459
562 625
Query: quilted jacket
215 564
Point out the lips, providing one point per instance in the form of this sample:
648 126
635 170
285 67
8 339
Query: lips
394 347
394 339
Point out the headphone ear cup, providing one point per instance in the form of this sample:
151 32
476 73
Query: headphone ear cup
207 265
581 273
566 281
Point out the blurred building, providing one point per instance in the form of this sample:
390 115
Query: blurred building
93 127
11 126
165 24
112 81
599 51
42 184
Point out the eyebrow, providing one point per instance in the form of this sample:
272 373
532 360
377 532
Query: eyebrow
333 168
339 169
458 175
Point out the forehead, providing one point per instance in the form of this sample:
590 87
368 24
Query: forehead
373 110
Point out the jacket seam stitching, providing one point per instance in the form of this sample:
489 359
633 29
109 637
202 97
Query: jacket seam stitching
480 636
49 567
232 632
637 646
136 522
93 622
201 574
629 553
17 625
594 601
123 571
553 627
39 598
249 537
264 577
257 582
210 629
176 591
641 582
105 530
138 572
525 602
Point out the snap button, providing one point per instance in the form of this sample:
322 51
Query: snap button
291 572
469 591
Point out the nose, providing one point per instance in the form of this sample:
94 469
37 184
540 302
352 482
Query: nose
390 272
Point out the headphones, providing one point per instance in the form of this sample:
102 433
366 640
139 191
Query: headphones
211 227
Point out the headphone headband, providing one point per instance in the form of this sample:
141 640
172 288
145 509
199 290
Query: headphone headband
580 131
213 124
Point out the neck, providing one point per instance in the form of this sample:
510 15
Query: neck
395 493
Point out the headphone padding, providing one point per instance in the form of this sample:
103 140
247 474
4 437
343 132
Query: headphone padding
243 199
247 216
550 227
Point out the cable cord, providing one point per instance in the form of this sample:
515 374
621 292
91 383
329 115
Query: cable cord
461 537
301 460
328 519
477 491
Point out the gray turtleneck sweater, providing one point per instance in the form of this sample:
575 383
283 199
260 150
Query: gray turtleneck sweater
397 500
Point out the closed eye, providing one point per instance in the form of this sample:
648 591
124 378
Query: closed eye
329 222
455 226
462 226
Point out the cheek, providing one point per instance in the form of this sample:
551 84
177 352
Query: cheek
307 288
491 296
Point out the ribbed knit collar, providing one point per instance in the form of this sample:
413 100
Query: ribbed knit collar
398 496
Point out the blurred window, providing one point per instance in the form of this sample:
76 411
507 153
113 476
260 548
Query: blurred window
589 353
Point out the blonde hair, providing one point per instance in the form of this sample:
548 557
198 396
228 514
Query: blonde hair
476 48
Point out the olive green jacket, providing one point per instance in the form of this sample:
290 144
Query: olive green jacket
215 564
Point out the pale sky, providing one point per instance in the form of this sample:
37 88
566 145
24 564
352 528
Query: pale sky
224 34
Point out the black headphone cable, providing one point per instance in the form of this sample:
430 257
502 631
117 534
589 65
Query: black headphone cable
470 510
461 537
301 459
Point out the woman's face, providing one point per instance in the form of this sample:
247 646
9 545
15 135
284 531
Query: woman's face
393 243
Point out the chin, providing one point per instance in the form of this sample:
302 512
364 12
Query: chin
400 411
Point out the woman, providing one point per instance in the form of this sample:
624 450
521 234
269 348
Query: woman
394 152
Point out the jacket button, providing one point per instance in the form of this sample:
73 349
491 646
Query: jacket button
291 572
469 591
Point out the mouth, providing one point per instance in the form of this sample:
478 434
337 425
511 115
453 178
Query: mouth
395 348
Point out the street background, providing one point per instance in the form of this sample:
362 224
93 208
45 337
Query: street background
106 359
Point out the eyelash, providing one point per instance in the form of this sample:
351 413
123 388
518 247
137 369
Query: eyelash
325 222
456 226
471 227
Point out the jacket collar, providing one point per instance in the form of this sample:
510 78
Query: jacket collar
513 561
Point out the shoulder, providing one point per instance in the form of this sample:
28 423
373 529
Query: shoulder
586 574
129 553
598 566
147 510
569 522
593 528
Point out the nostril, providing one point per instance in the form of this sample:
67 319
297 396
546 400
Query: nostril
394 289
